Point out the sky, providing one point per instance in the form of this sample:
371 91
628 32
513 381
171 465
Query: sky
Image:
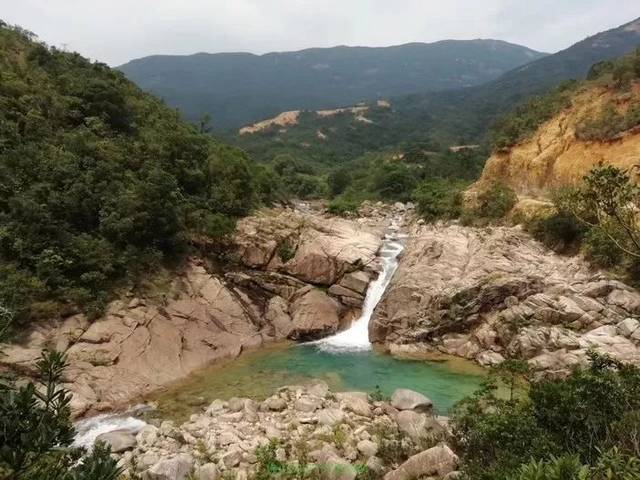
116 31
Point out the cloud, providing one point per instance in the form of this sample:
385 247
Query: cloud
116 31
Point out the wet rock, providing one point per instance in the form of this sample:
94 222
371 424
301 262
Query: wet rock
118 440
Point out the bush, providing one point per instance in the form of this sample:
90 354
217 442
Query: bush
97 178
577 418
561 231
343 206
438 198
525 120
600 250
495 201
394 181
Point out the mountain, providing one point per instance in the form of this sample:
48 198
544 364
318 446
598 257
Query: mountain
447 118
594 122
240 88
469 111
100 183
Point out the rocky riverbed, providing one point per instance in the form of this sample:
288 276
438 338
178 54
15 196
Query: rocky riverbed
335 435
488 294
293 273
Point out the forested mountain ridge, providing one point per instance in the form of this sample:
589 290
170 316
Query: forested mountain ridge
240 88
99 181
436 120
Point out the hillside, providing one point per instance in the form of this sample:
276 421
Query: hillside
449 118
599 124
240 88
99 182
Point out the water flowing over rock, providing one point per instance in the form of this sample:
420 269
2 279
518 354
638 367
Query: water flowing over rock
273 293
495 293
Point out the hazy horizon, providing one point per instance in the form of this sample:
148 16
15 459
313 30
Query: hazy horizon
119 31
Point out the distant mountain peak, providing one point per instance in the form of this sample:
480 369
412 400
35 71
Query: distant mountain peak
240 89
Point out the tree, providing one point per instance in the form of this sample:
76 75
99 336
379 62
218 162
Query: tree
36 430
608 201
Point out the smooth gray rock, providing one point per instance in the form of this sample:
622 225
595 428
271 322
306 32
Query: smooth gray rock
175 468
435 462
405 399
119 440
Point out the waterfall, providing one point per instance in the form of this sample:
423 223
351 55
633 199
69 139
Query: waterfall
356 338
87 430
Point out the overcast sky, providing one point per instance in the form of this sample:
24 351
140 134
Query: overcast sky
115 31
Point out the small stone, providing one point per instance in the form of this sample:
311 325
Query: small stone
319 390
208 471
231 459
330 416
307 405
275 404
367 448
176 468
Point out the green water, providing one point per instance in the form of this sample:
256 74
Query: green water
257 374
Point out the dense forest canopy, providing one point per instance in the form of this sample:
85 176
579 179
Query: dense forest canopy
100 181
240 88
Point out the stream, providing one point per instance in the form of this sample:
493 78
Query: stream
346 361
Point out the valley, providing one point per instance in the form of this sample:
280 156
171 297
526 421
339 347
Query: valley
349 263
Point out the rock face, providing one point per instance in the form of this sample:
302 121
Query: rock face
554 157
491 294
143 343
339 434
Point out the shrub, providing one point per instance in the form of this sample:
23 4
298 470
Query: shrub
343 206
525 119
561 231
495 201
600 250
579 417
439 199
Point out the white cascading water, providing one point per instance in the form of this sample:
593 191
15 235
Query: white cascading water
87 430
356 338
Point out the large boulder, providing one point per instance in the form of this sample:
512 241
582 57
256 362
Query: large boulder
356 402
314 315
435 462
176 468
404 399
419 426
356 281
118 440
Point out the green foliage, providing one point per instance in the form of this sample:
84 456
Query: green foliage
99 181
286 250
560 231
575 419
394 181
606 202
495 201
525 120
343 206
439 199
36 430
600 250
608 124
